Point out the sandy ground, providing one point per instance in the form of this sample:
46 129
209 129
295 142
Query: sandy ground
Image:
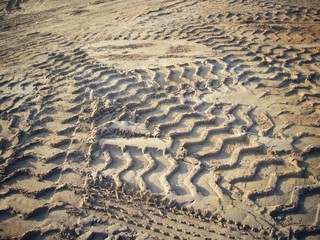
186 119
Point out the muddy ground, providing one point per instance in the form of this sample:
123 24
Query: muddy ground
185 119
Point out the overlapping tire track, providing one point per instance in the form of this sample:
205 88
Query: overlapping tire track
267 67
212 150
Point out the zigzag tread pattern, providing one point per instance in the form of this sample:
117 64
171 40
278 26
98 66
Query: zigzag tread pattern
143 148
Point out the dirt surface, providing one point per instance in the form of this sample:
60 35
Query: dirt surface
185 119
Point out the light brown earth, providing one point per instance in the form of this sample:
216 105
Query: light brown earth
186 119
